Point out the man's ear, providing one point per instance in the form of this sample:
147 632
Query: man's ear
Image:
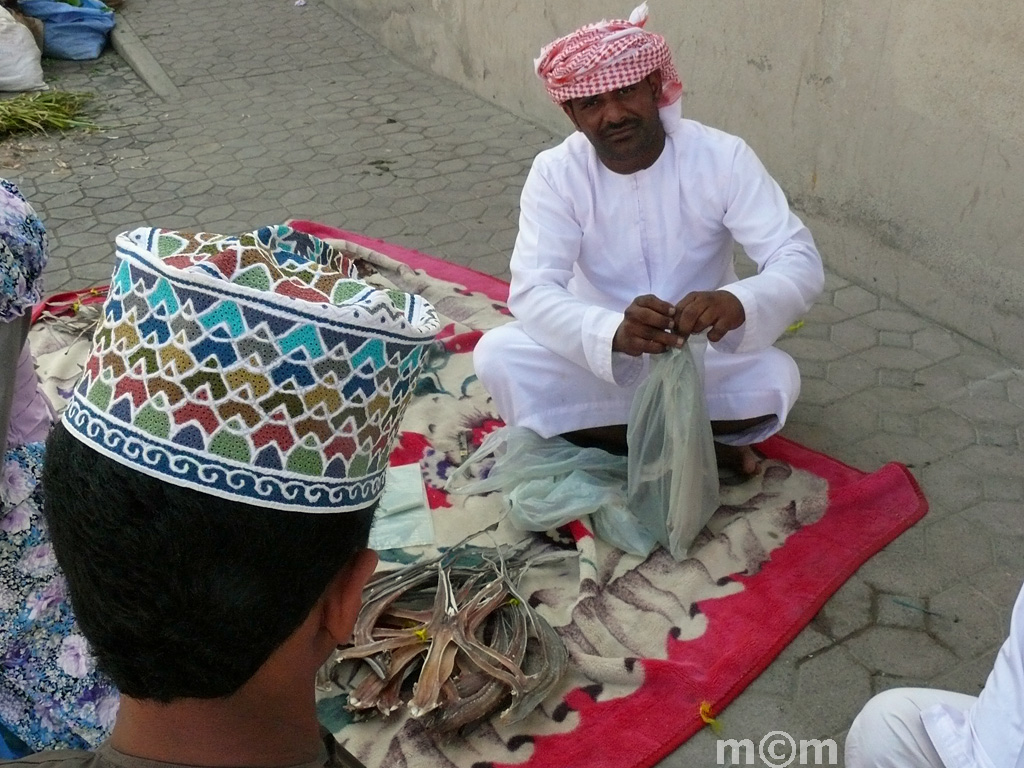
655 81
567 108
344 594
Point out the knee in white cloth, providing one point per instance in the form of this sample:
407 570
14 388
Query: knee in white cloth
889 733
490 357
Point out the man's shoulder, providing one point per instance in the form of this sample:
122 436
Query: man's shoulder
695 134
574 149
63 758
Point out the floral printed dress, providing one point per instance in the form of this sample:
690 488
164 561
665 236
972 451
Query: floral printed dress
51 695
23 253
50 692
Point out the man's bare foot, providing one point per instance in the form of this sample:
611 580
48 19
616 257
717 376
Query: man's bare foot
736 461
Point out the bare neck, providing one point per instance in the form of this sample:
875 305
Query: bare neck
269 721
273 730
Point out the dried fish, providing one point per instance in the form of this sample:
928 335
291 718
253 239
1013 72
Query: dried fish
453 640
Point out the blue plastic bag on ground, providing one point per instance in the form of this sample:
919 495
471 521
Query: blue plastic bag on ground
71 32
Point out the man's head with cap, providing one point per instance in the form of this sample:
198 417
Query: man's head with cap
611 78
214 476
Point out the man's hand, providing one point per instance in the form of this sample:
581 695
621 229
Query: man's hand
720 311
646 327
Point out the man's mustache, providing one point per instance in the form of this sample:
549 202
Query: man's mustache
613 127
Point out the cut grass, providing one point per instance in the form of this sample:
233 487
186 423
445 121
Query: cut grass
42 112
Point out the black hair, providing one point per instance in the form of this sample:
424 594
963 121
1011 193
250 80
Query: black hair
183 594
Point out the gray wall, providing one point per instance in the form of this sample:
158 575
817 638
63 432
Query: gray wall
895 126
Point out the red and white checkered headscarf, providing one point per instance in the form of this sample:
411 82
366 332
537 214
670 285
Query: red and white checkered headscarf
605 56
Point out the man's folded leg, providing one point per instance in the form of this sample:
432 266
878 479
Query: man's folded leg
535 388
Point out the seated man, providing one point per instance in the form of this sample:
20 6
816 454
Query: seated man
929 728
210 489
625 249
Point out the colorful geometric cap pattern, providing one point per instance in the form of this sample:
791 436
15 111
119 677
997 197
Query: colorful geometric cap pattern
257 368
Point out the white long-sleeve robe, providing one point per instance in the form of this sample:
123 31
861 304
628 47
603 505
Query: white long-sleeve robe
592 240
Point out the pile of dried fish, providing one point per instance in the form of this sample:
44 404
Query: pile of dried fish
454 640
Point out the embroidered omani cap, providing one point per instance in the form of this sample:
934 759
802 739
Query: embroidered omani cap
257 368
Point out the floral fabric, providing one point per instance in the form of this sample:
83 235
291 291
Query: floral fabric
23 253
51 694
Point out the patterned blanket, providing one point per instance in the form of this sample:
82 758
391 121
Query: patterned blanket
657 646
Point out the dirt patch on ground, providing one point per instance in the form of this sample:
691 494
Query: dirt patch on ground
14 151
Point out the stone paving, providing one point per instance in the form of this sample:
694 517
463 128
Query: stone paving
290 111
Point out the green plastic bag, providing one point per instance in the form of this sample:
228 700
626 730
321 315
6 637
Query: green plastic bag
548 482
673 474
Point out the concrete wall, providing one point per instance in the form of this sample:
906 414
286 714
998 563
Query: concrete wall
895 126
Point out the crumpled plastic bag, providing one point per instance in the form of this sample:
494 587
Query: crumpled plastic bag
663 492
76 32
548 482
673 473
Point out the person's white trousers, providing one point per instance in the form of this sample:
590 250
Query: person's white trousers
535 388
889 732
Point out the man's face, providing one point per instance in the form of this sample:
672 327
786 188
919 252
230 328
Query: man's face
623 125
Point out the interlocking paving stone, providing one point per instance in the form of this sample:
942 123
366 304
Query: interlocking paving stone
852 374
1000 517
855 300
1003 489
895 339
849 610
958 486
968 623
316 120
968 677
899 652
944 428
894 320
900 611
835 669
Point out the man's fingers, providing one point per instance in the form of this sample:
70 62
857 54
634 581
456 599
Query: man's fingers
637 338
665 340
693 317
652 311
658 345
647 340
649 333
649 318
652 302
722 325
718 311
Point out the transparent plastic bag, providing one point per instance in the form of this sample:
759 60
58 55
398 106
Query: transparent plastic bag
548 482
673 474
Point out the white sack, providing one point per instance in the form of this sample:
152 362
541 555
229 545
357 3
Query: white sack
20 57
